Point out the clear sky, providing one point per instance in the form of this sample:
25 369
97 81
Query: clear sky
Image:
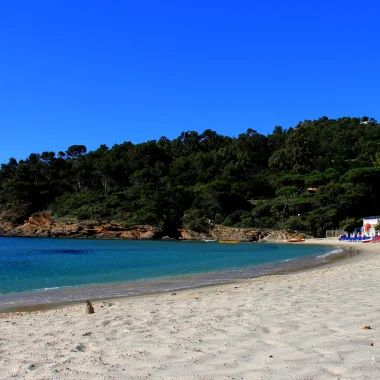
104 72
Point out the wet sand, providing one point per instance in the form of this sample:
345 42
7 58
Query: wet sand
297 325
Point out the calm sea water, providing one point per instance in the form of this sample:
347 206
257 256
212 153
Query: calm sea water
34 271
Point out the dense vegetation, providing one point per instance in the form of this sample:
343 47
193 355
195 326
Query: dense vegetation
249 181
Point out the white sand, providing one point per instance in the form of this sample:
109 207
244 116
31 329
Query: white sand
296 326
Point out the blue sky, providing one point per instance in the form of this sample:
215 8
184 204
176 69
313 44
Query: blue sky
105 72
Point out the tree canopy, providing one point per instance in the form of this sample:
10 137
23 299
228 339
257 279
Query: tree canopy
319 175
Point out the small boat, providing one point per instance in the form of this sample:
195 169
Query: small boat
229 241
211 240
295 239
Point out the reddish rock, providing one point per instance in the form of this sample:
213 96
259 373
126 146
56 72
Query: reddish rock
45 225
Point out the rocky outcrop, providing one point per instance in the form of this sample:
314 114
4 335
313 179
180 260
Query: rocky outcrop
219 232
43 224
283 235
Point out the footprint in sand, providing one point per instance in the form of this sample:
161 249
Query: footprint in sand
274 343
271 330
80 348
337 370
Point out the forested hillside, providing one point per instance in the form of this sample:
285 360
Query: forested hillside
319 175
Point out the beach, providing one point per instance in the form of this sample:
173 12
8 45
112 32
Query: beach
297 325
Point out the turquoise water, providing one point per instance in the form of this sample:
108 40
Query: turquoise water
43 265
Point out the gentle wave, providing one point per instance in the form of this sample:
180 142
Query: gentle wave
333 252
52 288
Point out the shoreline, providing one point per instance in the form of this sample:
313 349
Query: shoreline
351 251
321 323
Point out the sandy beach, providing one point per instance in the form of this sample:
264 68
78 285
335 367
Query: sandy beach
303 325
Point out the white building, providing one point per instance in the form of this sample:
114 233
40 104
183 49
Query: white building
369 223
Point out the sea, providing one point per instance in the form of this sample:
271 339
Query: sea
47 271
